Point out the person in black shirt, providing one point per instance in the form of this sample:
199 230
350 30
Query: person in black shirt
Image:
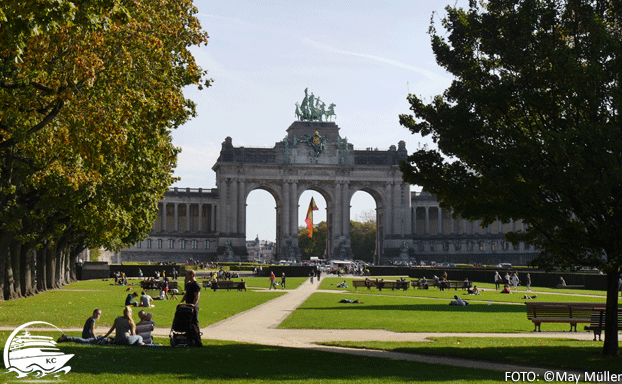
192 295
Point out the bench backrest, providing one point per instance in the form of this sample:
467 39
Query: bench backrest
560 310
597 318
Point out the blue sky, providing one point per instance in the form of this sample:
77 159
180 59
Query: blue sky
364 56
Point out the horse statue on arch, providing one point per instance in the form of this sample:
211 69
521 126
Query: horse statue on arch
331 111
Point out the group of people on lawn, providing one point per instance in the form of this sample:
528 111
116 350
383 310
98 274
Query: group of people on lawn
127 332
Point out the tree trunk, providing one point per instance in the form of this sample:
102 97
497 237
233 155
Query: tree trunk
9 280
16 260
58 268
5 241
610 347
50 267
27 270
41 268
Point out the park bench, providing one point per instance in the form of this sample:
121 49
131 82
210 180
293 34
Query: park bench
572 313
226 284
416 284
560 286
453 284
393 285
597 321
152 285
359 283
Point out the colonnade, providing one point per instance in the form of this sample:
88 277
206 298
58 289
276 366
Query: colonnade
179 217
434 220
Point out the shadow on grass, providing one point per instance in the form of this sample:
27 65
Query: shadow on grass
476 307
231 361
586 358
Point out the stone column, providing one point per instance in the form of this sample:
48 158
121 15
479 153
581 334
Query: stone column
440 221
427 220
200 218
293 212
285 212
176 217
213 218
235 209
222 189
242 209
188 217
164 217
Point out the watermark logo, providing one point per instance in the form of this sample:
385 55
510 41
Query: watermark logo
26 354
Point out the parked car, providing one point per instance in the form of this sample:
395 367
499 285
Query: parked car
504 265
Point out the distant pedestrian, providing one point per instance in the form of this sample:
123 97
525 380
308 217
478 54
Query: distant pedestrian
528 282
498 280
311 275
272 281
282 280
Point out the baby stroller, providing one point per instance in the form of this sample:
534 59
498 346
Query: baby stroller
183 332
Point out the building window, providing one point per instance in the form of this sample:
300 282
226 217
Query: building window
494 245
206 244
506 245
195 244
482 245
469 245
148 243
159 243
171 243
139 244
182 244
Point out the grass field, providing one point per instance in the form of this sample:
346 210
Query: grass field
228 362
578 355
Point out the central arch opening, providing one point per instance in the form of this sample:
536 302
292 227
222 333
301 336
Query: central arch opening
317 244
364 239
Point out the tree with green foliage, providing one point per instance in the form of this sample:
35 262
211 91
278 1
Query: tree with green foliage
530 129
363 239
89 95
312 246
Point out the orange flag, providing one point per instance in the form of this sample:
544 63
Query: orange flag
309 218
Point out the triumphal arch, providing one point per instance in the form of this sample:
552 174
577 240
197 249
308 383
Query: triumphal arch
312 156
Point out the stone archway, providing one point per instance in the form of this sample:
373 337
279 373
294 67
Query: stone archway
313 156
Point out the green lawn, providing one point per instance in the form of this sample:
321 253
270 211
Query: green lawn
410 314
578 355
488 294
70 306
228 362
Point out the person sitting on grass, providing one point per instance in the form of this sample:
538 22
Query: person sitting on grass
125 329
474 291
129 300
145 326
342 284
506 289
88 332
145 300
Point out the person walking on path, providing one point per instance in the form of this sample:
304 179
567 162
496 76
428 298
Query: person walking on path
272 281
528 282
192 295
311 276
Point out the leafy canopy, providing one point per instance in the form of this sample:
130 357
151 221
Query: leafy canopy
89 94
530 127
